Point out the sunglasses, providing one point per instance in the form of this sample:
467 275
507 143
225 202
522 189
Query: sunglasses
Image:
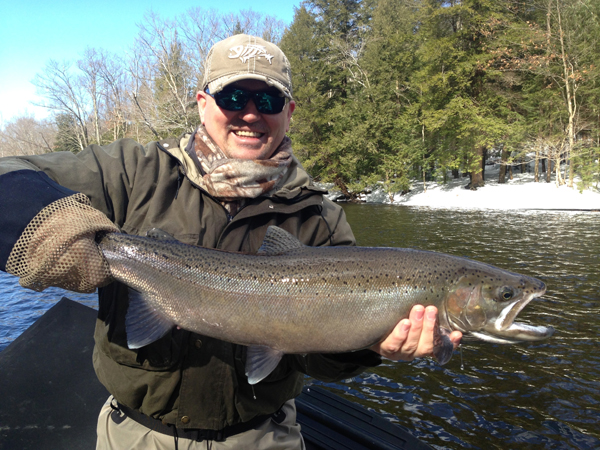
236 99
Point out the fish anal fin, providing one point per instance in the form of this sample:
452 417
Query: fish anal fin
143 323
260 362
278 241
442 345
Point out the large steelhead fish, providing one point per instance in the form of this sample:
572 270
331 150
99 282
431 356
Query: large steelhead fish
291 298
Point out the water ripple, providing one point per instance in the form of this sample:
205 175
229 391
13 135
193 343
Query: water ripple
539 395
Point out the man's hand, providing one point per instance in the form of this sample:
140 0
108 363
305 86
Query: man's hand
58 248
413 337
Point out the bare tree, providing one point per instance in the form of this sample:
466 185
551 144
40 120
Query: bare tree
90 66
65 94
200 29
172 86
149 93
140 93
253 23
25 135
114 87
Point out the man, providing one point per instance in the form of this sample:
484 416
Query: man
220 188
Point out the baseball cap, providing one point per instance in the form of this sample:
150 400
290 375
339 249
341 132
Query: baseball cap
243 57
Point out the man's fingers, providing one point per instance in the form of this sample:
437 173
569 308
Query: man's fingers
417 313
413 337
456 337
425 346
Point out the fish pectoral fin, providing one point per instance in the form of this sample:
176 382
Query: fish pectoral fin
278 241
143 323
442 345
260 362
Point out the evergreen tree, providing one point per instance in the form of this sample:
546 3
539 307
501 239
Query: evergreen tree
66 139
322 43
392 100
464 106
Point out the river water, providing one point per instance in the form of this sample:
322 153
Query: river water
544 395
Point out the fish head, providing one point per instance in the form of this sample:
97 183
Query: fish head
486 300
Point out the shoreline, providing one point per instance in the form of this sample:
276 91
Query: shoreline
520 193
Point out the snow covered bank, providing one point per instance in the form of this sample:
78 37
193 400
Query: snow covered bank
519 193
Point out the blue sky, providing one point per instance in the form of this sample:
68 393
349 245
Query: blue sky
32 32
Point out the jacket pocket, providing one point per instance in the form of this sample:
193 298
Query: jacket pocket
111 335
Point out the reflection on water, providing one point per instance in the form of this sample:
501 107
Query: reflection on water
537 395
19 307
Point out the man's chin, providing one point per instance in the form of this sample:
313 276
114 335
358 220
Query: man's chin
249 152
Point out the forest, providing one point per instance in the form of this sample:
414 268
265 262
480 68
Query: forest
387 91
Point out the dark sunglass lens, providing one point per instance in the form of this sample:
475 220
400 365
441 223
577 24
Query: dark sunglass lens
268 103
237 99
234 100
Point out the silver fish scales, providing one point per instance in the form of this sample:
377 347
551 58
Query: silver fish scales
291 298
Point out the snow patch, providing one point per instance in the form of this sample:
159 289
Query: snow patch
522 192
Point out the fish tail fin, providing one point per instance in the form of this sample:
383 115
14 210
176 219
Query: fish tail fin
260 362
442 345
143 323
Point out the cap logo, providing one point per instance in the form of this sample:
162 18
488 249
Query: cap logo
249 51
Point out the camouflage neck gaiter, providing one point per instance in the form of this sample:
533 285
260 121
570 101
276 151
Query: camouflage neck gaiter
233 181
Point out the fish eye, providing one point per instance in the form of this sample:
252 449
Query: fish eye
506 293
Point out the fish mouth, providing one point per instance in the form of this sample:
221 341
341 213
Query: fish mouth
504 330
507 316
515 333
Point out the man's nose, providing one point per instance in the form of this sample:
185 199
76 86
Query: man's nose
250 114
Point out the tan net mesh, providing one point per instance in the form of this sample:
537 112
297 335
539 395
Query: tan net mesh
58 249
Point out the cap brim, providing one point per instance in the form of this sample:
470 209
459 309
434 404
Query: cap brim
220 83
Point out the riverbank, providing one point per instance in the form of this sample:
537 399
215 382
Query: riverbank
522 192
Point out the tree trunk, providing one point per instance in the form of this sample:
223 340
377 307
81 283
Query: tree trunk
503 164
559 179
349 195
570 99
544 165
483 159
477 174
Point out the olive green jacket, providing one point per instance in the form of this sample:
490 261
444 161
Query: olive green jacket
186 379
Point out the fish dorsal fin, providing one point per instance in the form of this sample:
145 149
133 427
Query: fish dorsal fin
260 362
160 235
143 323
278 241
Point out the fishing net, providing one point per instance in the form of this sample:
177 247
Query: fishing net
58 248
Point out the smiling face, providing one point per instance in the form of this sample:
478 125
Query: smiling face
245 134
